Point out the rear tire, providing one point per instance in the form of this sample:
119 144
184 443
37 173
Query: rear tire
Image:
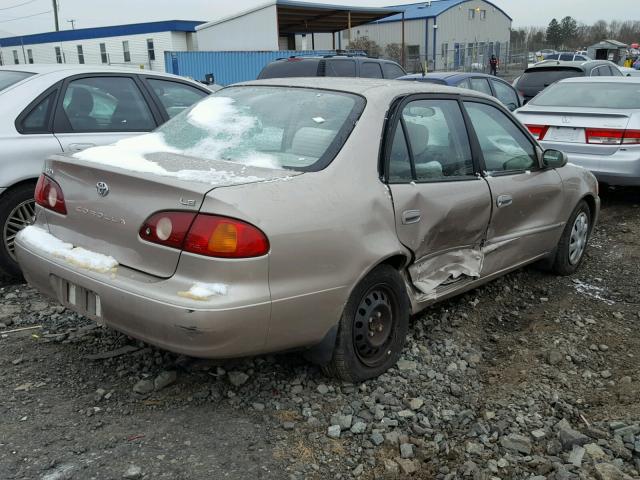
373 327
574 240
17 210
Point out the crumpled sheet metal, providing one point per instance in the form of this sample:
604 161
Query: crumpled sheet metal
429 274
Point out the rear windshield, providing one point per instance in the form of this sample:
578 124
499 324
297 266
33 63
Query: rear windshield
248 125
597 94
546 76
293 67
8 78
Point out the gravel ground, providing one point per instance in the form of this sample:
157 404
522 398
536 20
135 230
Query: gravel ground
530 377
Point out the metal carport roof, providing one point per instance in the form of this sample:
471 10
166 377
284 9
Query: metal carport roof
304 17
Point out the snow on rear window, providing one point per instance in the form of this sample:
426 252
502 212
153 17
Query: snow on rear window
42 240
267 127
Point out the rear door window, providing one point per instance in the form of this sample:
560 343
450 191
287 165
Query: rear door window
340 68
37 120
175 96
106 104
391 70
438 140
370 70
464 84
505 94
481 85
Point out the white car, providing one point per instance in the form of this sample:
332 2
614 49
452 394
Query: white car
49 109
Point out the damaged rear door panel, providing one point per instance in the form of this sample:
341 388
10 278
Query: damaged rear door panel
442 206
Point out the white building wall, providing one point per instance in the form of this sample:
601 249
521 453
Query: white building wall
254 30
45 52
455 26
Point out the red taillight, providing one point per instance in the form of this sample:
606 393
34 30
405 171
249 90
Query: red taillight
538 131
631 137
49 195
209 235
167 228
601 136
224 237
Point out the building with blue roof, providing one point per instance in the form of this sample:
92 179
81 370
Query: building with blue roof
141 45
443 34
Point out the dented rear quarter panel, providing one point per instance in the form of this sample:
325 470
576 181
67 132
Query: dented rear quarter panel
326 230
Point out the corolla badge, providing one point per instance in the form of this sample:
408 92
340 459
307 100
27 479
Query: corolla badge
102 188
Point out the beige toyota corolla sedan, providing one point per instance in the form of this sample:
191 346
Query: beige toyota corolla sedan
312 214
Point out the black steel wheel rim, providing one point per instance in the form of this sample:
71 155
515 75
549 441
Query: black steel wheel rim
374 325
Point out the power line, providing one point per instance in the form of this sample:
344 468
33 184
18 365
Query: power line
18 5
27 16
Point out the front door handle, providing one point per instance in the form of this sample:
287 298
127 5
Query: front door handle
411 216
504 201
78 147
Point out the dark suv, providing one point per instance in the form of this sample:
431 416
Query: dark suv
332 66
541 75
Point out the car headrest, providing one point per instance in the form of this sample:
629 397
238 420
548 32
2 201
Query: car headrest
312 141
418 137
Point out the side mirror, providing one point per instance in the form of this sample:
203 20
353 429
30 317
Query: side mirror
554 159
511 106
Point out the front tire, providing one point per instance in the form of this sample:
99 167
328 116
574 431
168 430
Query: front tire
574 240
17 210
373 327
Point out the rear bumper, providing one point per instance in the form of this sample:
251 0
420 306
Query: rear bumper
622 168
150 309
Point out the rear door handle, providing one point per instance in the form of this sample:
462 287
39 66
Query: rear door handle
78 147
504 201
411 216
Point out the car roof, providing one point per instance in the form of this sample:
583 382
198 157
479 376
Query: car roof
454 76
366 87
42 69
583 64
610 79
340 57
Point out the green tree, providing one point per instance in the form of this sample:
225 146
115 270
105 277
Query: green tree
554 33
568 31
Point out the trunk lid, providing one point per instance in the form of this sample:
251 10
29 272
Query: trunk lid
110 223
567 126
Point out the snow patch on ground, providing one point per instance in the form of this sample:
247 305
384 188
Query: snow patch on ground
41 240
591 291
204 291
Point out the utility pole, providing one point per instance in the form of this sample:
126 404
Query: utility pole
55 14
73 23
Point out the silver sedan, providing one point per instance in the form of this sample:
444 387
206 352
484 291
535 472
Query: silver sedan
48 109
595 121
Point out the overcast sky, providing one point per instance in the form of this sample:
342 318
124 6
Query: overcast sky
92 13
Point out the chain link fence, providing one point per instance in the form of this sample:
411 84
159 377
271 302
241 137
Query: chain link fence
466 58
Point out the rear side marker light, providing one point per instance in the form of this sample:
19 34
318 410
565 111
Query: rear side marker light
48 194
631 137
538 131
209 235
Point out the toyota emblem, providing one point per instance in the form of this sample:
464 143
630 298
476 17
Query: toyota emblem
102 188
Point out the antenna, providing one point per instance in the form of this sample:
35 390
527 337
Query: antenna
72 21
